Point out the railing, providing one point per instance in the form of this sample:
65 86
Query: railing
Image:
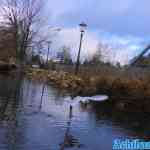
139 56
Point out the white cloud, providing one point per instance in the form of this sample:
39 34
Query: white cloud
122 49
71 36
114 17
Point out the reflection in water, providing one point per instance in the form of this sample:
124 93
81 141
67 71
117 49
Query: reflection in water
23 126
137 124
43 89
69 140
9 105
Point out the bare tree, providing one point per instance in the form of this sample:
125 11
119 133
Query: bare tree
22 16
100 54
97 57
6 44
103 51
66 53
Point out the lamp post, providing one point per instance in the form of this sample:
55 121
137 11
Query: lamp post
49 43
47 59
48 48
82 30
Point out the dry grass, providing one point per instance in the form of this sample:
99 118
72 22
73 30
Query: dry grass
133 83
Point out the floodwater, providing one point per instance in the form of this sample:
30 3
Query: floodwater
30 120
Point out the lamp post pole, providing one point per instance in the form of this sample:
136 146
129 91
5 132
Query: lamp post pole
48 49
82 30
49 43
79 52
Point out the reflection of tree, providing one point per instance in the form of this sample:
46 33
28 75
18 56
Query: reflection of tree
6 96
31 91
17 97
69 140
9 107
28 84
3 108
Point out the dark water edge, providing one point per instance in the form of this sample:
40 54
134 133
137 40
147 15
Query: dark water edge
27 123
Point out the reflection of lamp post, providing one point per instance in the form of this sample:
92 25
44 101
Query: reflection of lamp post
82 30
69 140
47 59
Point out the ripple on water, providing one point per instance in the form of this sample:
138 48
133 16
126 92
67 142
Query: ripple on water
46 124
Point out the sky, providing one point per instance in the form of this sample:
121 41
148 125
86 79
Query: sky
122 24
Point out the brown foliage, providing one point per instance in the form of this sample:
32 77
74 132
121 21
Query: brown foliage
7 44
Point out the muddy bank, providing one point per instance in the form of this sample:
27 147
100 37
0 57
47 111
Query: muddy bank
125 94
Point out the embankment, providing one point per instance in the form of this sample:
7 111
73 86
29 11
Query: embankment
127 93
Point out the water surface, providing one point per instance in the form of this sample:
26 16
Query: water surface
27 123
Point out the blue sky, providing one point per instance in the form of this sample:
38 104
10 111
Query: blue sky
123 24
116 16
